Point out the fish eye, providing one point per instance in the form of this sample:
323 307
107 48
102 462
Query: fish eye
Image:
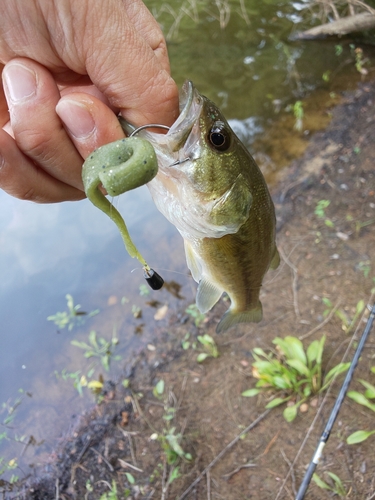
219 137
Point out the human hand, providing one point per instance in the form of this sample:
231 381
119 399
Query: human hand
79 63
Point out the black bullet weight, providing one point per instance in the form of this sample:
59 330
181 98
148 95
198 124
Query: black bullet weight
153 279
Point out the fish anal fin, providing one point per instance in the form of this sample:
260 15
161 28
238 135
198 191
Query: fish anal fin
231 318
275 259
207 295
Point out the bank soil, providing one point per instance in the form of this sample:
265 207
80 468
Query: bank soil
119 442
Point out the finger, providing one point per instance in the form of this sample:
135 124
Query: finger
148 28
75 108
32 95
4 115
123 65
21 178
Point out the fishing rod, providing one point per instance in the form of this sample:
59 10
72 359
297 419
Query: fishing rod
332 418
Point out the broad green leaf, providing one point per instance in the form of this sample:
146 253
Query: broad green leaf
250 393
92 339
299 366
130 477
201 357
276 402
280 383
359 436
293 348
361 399
290 413
320 350
159 387
259 351
360 306
319 482
336 370
175 445
336 479
312 351
370 392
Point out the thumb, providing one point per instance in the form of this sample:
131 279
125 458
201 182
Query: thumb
129 63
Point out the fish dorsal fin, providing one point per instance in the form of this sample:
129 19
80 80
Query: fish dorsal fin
207 295
233 207
193 262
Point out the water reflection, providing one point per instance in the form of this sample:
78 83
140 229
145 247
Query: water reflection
47 251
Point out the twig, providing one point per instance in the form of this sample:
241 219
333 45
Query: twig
123 463
320 409
318 327
164 486
131 447
104 459
208 485
292 472
268 447
294 282
222 453
235 471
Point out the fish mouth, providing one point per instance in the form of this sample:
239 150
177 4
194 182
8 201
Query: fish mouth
190 108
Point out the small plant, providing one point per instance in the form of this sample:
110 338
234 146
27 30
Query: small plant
320 212
346 324
298 115
71 318
360 61
169 438
337 487
99 348
364 400
210 347
291 374
195 313
144 290
112 493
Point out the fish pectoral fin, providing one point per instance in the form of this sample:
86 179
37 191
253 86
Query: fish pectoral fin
275 259
207 295
193 262
233 207
232 318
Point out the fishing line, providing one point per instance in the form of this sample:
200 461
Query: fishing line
332 418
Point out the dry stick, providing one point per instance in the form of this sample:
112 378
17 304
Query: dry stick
104 459
208 485
294 282
318 327
240 467
292 473
320 409
222 453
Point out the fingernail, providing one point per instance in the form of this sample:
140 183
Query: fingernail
76 118
20 82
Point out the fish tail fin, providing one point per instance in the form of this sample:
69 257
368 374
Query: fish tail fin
231 318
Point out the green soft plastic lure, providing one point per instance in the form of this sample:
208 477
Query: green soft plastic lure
119 167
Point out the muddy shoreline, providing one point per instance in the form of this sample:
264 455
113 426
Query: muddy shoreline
204 402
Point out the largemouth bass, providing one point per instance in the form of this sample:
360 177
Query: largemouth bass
209 186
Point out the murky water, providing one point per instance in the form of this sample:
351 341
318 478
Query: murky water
46 252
